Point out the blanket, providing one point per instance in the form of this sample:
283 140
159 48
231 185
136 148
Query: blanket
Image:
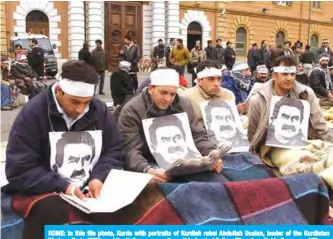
244 193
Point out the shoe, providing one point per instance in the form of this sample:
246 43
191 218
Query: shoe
101 93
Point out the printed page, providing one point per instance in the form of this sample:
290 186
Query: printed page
120 189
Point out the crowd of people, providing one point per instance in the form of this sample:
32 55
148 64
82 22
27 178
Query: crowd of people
35 166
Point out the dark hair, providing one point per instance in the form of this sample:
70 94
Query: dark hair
160 40
217 40
71 137
288 102
209 41
228 42
99 42
208 64
170 120
33 40
128 38
18 45
307 47
286 60
172 39
262 42
79 71
216 104
180 40
254 44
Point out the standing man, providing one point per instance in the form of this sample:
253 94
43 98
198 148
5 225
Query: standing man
325 48
179 57
168 50
131 53
197 55
230 56
308 60
100 63
261 55
209 50
219 52
159 54
84 54
36 57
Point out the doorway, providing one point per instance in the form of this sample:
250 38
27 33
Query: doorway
37 23
194 33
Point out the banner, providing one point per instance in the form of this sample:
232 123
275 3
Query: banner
188 232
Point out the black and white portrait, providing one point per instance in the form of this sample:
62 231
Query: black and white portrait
222 118
74 154
169 139
288 122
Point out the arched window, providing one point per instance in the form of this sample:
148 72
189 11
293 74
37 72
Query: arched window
314 41
194 33
241 42
280 38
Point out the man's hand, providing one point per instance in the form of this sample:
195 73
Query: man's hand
219 166
330 95
73 190
159 174
95 187
242 108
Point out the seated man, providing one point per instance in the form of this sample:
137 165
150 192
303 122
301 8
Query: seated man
284 84
261 74
56 143
320 81
301 76
160 99
208 87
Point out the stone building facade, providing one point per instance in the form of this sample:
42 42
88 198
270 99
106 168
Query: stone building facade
69 24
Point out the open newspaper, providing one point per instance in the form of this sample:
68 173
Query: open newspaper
120 189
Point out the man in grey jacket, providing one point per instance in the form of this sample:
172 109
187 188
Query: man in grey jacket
160 99
100 63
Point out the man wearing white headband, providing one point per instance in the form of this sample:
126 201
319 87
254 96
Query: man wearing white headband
320 80
159 99
261 74
209 75
283 84
88 143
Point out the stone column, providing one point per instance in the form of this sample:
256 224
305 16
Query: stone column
147 30
76 28
95 24
158 19
172 26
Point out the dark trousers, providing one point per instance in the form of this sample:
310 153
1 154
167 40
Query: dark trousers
134 78
101 76
194 76
180 70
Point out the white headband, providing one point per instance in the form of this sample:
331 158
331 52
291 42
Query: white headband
209 72
284 69
77 88
324 58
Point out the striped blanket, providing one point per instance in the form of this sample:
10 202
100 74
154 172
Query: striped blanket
245 193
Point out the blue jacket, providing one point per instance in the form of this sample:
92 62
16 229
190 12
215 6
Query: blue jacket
28 150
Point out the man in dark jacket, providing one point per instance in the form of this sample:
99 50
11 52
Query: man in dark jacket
100 62
308 60
261 55
36 57
121 84
209 50
320 80
219 52
64 140
230 56
325 48
84 54
160 99
131 53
